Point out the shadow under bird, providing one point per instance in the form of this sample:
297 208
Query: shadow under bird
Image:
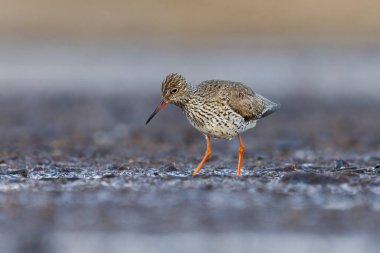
217 108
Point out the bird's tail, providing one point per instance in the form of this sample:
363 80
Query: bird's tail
269 107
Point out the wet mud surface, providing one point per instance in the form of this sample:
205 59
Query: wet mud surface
82 163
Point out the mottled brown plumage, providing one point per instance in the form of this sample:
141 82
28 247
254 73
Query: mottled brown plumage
217 108
239 97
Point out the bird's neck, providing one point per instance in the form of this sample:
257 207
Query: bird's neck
191 101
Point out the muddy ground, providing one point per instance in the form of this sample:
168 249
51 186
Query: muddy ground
78 165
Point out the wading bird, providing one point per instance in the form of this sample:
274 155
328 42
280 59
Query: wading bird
217 108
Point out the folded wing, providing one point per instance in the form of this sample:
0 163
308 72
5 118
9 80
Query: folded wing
247 103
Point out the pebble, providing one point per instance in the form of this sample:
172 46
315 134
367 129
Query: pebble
170 168
21 172
339 164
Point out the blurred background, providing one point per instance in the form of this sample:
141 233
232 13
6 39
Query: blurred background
324 47
80 172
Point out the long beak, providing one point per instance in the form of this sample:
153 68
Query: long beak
159 107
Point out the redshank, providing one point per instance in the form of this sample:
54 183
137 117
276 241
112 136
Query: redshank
217 108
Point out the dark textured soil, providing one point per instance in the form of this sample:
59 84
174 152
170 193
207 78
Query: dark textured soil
82 163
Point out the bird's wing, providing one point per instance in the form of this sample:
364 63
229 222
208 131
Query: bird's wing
239 98
247 103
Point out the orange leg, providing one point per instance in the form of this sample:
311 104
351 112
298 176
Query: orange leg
205 158
241 154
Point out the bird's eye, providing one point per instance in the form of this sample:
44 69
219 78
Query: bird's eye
174 90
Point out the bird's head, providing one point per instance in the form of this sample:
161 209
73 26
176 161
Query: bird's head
174 90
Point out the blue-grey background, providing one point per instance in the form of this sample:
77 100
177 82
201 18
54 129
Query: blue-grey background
79 171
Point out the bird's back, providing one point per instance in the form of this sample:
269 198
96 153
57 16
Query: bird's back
240 98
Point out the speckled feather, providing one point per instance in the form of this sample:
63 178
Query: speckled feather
217 108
